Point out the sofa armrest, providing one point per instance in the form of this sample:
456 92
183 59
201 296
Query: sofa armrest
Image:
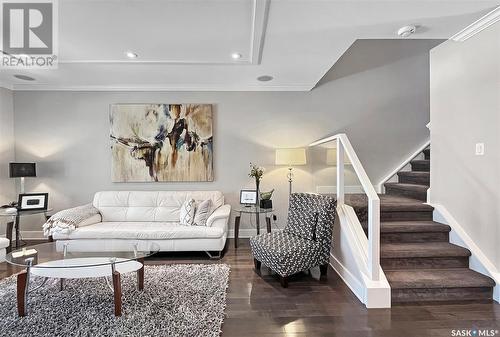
221 214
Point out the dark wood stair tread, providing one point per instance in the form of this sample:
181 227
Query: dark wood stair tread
414 173
389 203
408 187
420 161
437 278
412 227
422 249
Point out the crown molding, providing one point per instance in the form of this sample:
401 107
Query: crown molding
218 88
477 26
6 86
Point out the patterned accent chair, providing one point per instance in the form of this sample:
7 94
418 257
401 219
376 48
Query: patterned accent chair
304 243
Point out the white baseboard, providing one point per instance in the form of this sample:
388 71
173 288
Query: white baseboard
478 261
332 189
32 235
349 279
244 233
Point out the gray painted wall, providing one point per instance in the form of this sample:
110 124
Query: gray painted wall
7 186
381 102
465 110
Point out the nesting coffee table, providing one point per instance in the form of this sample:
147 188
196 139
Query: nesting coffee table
62 260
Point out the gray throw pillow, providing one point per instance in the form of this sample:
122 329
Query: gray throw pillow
202 213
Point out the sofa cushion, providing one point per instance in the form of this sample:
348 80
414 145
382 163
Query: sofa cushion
4 243
161 206
142 231
203 211
188 209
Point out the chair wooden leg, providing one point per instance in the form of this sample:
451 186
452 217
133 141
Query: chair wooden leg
257 264
284 281
323 269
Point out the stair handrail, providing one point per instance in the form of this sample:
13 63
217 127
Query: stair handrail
344 146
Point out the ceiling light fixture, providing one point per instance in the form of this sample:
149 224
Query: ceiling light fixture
131 55
265 78
24 77
406 31
236 56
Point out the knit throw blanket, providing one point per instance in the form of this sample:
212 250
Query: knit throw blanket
68 220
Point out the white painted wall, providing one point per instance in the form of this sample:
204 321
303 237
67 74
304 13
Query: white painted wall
7 186
465 110
381 102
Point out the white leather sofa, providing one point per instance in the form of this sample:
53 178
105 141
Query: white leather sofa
4 243
141 217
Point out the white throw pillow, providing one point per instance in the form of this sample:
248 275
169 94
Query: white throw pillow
187 212
202 213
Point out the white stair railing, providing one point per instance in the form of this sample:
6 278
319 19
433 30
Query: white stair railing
344 146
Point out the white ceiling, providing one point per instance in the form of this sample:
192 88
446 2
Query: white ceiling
187 44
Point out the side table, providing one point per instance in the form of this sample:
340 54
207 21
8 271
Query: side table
16 223
251 210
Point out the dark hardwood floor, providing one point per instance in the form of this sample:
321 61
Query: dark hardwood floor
258 306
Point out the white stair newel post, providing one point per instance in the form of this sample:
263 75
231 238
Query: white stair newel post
340 172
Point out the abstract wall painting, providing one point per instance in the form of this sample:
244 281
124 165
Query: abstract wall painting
161 142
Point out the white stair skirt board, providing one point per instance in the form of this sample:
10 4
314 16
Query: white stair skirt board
349 258
401 166
478 261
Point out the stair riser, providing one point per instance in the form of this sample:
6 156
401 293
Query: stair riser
415 180
441 294
406 193
404 216
424 263
420 167
414 237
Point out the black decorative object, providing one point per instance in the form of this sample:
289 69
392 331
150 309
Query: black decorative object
21 170
266 203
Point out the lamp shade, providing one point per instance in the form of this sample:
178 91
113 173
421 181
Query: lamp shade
331 157
19 170
291 157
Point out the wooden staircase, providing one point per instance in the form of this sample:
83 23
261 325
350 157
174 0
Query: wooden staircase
419 261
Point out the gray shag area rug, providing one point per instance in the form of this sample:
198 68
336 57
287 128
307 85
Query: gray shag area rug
178 300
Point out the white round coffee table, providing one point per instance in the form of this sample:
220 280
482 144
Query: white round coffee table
60 261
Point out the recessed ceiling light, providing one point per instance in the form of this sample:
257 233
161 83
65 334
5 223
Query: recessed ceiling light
236 56
406 31
131 55
265 78
24 77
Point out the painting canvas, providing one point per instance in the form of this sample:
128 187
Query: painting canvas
161 142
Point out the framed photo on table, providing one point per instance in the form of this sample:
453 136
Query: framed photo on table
33 202
248 197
